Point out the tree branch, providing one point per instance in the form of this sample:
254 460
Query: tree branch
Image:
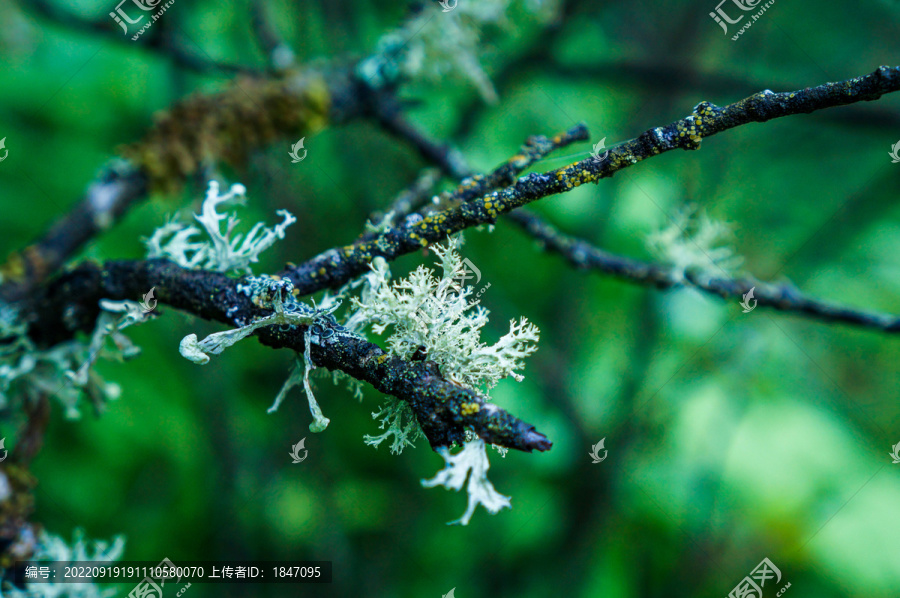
196 132
443 408
339 265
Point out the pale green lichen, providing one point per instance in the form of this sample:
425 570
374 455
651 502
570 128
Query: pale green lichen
437 314
222 252
435 44
275 294
65 370
300 375
692 240
401 424
470 463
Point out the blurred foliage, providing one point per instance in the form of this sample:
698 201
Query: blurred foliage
732 437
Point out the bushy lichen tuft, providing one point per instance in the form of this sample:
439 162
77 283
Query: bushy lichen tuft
393 414
433 317
437 314
434 44
694 241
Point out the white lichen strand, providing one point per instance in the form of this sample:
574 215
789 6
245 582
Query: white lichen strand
222 252
472 463
300 375
437 314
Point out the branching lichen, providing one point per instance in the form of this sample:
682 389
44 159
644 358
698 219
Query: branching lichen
393 414
433 318
435 44
222 252
436 313
470 463
694 241
65 370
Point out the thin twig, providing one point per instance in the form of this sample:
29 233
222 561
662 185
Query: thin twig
534 149
782 297
386 109
405 203
278 54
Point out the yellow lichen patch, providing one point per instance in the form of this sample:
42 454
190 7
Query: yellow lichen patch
469 408
14 268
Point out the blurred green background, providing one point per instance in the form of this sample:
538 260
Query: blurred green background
732 437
